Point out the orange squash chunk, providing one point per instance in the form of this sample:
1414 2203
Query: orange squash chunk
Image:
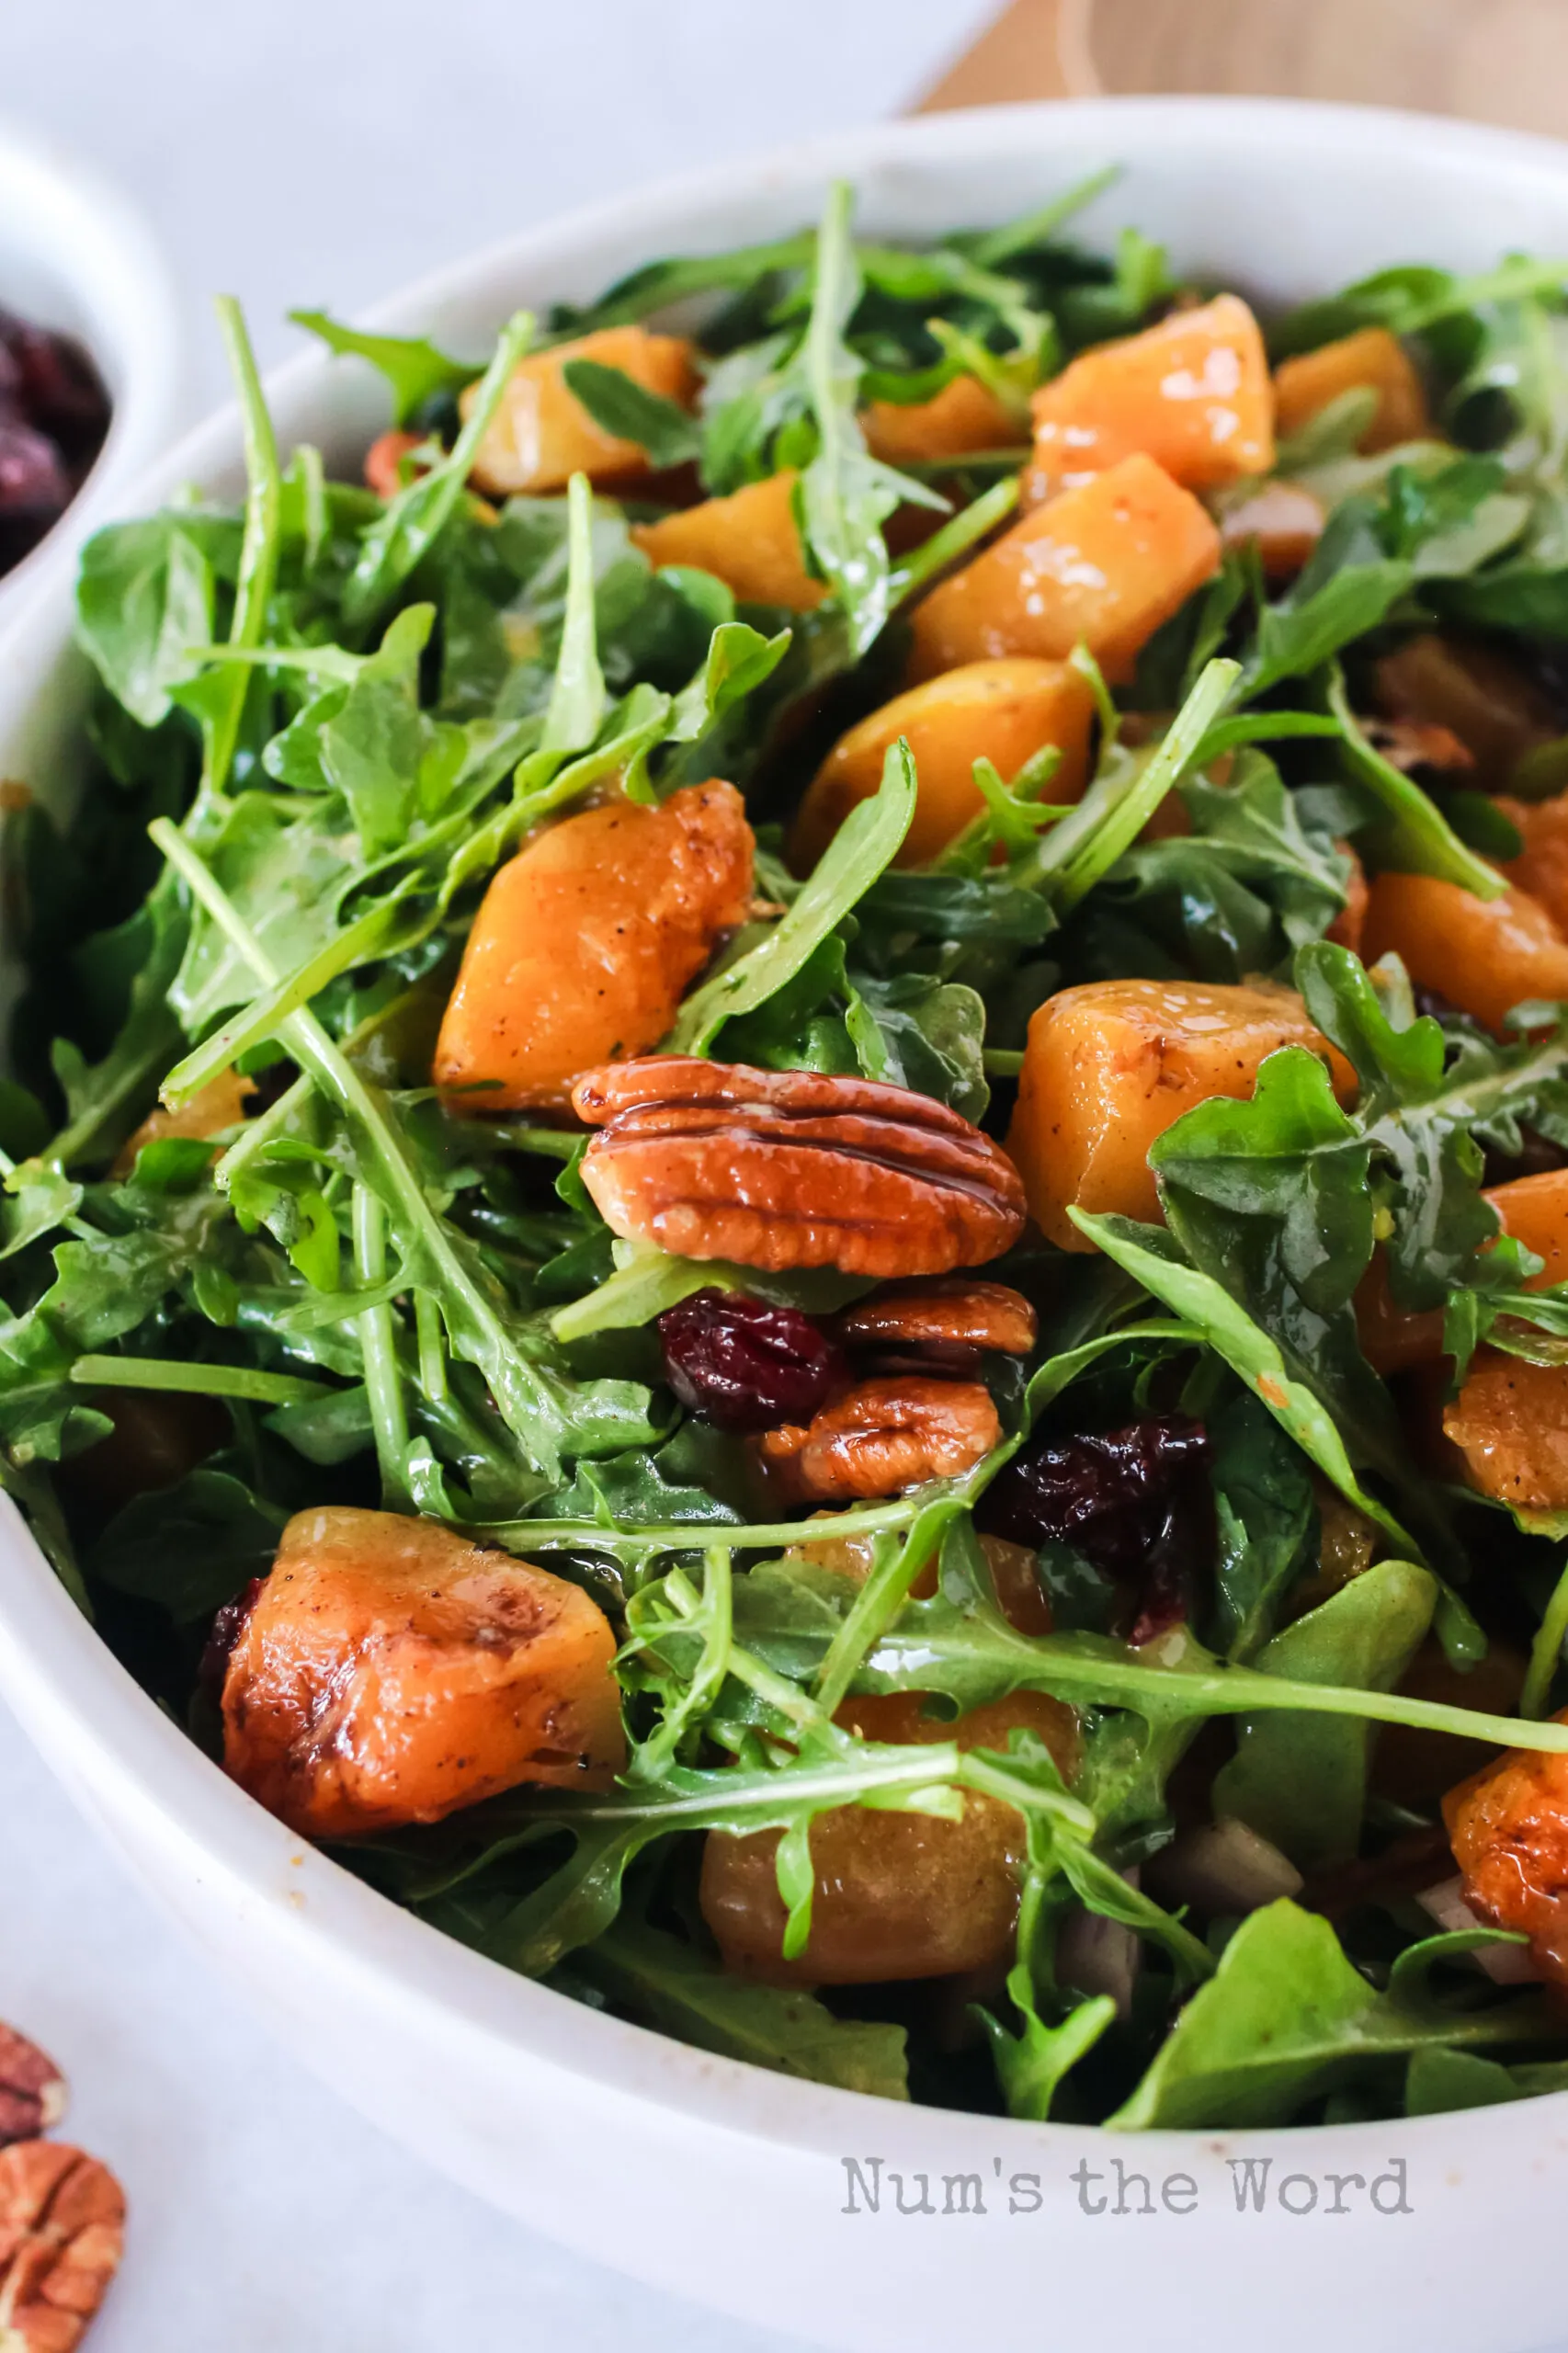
1484 955
541 434
1371 359
1003 711
1510 1421
220 1104
1109 1067
392 1671
1508 1827
1193 394
965 415
586 940
1542 867
1105 564
897 1895
749 541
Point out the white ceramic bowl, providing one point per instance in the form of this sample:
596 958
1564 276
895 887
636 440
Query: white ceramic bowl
710 2177
75 255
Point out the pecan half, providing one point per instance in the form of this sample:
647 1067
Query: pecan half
62 2234
956 1312
883 1436
793 1168
32 2089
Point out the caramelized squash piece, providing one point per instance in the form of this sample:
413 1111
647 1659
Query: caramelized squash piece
1510 1423
1192 392
586 940
1105 563
1484 955
1003 712
1508 1827
220 1104
965 415
897 1895
1108 1067
1498 711
541 434
392 1671
1372 359
749 541
1534 1210
1542 867
1282 519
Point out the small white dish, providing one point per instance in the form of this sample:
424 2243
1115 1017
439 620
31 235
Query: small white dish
76 255
825 2214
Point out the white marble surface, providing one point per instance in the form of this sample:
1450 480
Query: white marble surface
306 152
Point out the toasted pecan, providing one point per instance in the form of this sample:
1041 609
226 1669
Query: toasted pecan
32 2089
954 1312
884 1436
62 2234
793 1168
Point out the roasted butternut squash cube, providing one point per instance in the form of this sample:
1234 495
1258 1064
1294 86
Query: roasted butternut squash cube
897 1895
1542 867
1282 519
964 416
1498 711
749 541
541 434
220 1104
1508 1827
1484 955
585 941
391 1671
1108 1067
1510 1423
1003 711
1103 565
1372 360
1192 392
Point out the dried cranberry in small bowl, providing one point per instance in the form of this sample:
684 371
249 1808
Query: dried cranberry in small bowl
744 1364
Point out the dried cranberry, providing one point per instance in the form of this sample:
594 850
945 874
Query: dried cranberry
744 1364
32 475
1135 1502
227 1627
59 390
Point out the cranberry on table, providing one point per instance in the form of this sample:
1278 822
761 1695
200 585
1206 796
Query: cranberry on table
744 1364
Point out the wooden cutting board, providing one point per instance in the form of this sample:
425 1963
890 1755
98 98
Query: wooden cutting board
1496 61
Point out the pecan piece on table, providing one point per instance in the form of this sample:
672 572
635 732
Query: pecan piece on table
953 1313
780 1169
62 2234
32 2089
884 1436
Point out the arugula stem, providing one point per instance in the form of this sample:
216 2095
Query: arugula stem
1126 820
258 553
384 1387
432 1349
956 536
197 1380
1546 1651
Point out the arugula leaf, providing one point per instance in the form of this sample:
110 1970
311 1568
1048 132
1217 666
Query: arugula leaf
413 367
627 409
665 1984
189 1548
1286 2020
146 594
1417 839
1302 1782
863 845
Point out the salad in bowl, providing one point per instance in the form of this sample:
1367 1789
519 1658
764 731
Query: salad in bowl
788 1165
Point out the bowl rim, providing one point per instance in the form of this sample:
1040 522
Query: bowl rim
54 1665
115 266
